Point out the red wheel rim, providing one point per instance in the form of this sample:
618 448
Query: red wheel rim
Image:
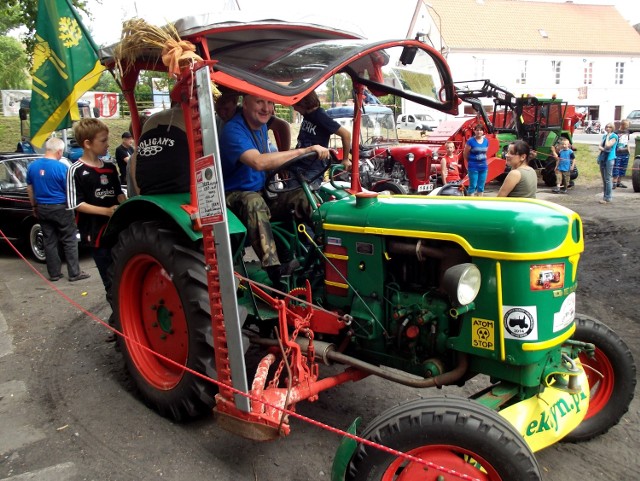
601 379
452 458
152 317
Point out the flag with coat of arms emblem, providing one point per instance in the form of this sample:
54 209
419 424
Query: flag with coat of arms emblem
65 66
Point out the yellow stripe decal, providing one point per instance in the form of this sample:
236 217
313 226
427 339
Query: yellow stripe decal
500 323
566 249
540 346
339 257
336 284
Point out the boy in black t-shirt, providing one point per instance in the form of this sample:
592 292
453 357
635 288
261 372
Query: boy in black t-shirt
93 190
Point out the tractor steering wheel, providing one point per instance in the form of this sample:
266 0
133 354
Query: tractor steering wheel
292 175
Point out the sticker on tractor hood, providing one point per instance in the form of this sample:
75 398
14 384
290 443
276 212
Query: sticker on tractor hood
546 276
520 322
567 312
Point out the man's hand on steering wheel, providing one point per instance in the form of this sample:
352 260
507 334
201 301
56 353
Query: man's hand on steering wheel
313 153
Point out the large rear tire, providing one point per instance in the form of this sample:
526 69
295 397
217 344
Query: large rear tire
458 434
161 303
390 186
612 378
635 174
549 174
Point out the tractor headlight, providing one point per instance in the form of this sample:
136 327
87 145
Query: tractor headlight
410 157
462 283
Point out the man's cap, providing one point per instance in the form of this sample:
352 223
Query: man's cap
126 135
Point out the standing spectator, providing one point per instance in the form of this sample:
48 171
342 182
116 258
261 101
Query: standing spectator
522 180
46 180
622 155
93 190
316 129
124 151
475 156
565 162
606 160
449 167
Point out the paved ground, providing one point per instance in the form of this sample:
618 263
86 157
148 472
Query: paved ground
67 414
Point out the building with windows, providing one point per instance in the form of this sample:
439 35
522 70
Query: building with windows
588 55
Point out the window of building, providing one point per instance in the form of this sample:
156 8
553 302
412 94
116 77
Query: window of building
619 73
555 67
588 73
522 77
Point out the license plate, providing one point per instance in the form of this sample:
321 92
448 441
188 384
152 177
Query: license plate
425 188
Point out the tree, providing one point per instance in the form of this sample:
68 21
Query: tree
24 13
13 58
107 83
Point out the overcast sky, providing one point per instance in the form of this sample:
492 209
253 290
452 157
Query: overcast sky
374 23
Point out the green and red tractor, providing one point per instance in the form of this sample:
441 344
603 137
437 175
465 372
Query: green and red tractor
541 122
424 291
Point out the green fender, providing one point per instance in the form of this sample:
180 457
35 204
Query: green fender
345 452
162 207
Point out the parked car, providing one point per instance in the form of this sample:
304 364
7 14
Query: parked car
634 121
17 221
416 122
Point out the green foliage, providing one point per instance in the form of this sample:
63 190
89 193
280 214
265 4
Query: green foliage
10 17
339 89
107 83
13 58
24 13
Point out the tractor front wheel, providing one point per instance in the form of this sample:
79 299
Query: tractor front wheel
453 435
635 174
611 374
161 307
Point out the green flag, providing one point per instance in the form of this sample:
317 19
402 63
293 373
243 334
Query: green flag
65 66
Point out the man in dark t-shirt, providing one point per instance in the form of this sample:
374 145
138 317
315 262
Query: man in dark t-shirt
160 164
124 152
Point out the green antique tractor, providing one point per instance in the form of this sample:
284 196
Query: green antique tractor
421 291
541 122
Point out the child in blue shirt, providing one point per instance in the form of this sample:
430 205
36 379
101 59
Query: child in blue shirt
565 162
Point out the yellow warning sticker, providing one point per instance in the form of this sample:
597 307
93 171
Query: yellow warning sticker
482 334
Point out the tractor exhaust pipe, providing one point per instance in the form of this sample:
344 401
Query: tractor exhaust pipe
326 353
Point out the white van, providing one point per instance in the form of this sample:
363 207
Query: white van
416 122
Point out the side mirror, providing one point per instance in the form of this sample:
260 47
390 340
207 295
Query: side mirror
408 55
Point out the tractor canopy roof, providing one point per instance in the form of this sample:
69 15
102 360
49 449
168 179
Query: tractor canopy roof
284 60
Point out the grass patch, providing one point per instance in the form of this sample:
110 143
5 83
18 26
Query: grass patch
586 160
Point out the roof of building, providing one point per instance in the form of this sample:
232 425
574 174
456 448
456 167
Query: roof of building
532 27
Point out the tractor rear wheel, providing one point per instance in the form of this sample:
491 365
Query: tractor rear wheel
612 378
453 433
635 174
549 174
390 186
161 305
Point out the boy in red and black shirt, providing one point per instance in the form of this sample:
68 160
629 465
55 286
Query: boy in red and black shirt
93 190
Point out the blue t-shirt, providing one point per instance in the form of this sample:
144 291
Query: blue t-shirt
564 160
235 140
611 154
477 157
48 178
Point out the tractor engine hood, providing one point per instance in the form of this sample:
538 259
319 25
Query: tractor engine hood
488 227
